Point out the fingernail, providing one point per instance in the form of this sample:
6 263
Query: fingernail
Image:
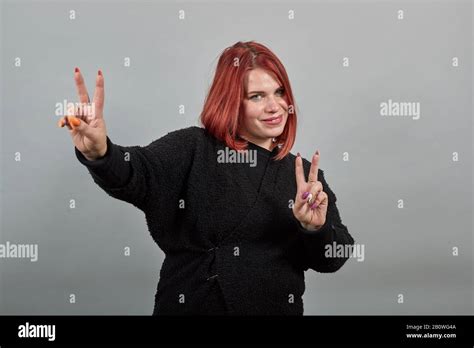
298 154
76 69
99 72
74 121
68 121
314 205
317 152
61 123
305 195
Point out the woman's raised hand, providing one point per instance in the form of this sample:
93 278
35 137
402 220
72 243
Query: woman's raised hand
86 122
311 202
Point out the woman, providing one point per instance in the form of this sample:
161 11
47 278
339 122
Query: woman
237 231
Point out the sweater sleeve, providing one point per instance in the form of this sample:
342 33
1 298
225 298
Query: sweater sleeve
317 244
135 173
110 170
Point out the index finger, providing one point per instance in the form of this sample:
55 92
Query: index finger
81 87
313 171
299 172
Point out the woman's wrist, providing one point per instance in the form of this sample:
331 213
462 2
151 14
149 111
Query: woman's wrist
97 155
310 227
90 158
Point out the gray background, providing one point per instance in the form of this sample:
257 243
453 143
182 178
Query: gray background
407 251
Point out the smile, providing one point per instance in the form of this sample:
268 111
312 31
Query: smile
273 120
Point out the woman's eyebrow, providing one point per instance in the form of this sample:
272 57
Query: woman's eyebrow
263 91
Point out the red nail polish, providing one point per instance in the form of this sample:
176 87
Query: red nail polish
100 73
76 69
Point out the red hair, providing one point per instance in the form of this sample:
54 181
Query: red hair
221 115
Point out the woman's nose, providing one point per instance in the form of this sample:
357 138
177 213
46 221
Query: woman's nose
272 105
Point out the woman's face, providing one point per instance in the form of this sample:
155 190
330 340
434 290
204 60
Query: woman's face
263 99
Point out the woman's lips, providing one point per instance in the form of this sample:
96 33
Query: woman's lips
273 120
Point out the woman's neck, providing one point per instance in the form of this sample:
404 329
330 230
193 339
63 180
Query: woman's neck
265 143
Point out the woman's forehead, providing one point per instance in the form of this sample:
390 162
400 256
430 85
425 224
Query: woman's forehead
259 78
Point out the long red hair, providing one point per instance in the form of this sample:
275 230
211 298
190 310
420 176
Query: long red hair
222 108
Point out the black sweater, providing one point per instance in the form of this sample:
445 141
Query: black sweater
230 247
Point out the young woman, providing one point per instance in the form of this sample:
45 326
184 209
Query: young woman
227 202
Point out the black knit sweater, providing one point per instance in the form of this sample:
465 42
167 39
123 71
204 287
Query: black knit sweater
232 245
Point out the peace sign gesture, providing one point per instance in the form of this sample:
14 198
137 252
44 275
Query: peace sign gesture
311 202
86 124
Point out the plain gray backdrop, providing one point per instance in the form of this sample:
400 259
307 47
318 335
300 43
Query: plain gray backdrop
408 251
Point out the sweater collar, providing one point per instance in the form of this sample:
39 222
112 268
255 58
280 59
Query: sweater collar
262 150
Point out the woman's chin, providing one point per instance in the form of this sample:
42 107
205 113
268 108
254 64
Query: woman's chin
273 133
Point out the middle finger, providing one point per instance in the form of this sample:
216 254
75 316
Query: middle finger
313 171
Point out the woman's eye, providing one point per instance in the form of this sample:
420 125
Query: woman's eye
280 91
